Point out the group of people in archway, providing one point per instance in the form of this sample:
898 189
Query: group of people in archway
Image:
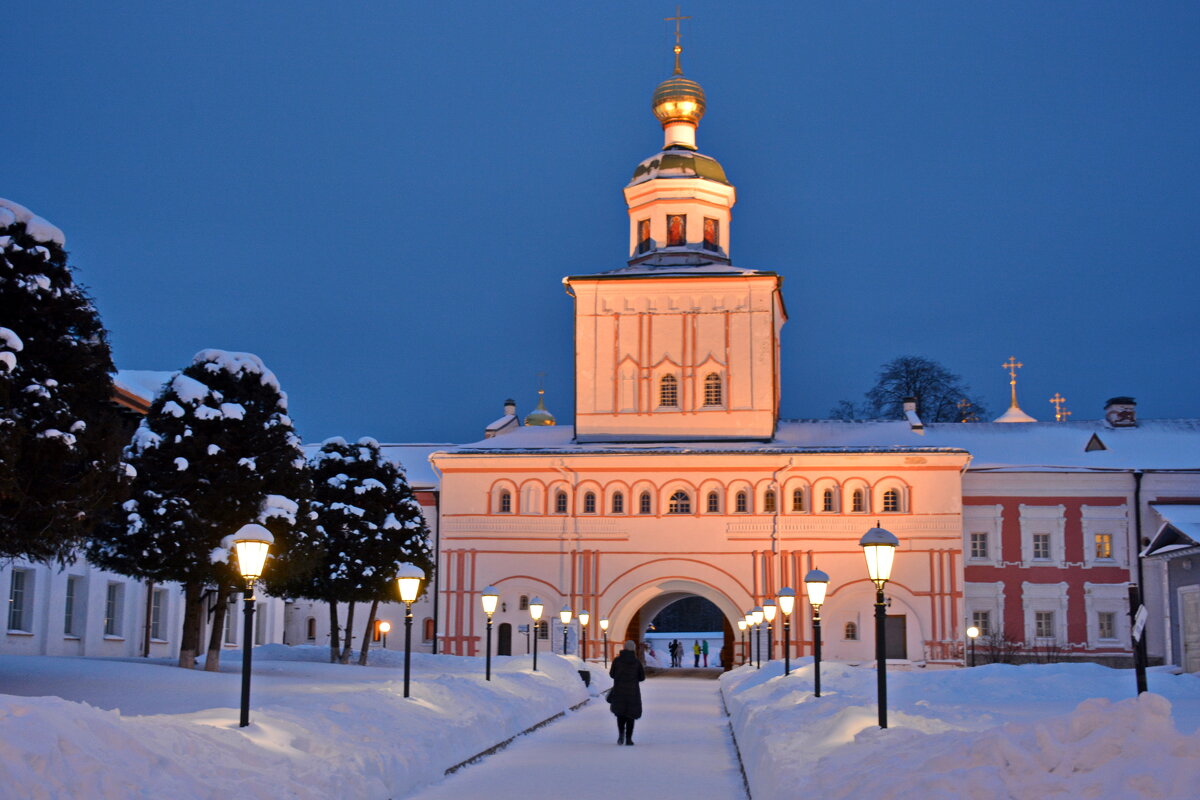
699 651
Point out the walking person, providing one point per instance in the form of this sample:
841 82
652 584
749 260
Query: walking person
696 653
625 697
704 651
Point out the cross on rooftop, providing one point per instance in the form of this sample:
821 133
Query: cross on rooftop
678 47
1060 414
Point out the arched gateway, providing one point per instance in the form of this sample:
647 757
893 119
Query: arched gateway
678 477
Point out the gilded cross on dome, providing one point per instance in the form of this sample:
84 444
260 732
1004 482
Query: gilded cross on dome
1012 365
678 47
1060 413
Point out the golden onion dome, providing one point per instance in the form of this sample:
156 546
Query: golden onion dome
540 416
678 99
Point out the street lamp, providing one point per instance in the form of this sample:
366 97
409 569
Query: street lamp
750 641
251 543
384 627
787 602
757 614
769 611
742 627
584 619
535 612
815 583
604 630
972 634
564 615
408 579
879 546
489 598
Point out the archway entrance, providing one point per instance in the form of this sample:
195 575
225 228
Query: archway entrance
504 640
690 619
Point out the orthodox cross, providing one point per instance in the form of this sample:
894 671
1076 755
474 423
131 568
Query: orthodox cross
1060 414
1012 365
678 48
966 411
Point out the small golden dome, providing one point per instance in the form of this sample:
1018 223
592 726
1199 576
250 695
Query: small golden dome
540 416
678 99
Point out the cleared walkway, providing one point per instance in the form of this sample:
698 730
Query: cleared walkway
683 750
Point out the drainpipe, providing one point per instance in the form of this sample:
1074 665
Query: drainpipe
437 558
1139 653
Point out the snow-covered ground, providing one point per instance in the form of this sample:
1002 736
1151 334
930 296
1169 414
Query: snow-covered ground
102 728
997 731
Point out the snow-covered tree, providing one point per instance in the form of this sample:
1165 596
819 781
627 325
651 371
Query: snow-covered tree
216 451
60 434
940 394
365 523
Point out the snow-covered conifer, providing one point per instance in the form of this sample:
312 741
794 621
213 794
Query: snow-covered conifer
60 434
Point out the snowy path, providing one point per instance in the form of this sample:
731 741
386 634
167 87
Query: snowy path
683 750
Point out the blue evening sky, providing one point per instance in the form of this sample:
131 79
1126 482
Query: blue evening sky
380 198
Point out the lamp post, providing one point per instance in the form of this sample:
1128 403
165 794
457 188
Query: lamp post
787 602
251 543
564 616
972 635
409 582
489 598
756 614
815 583
879 546
535 613
604 630
384 627
749 635
769 612
584 619
742 627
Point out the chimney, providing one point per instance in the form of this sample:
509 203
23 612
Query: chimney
510 407
1121 412
910 414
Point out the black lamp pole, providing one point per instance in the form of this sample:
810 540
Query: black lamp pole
488 659
565 639
770 640
817 650
745 647
758 644
972 651
787 644
881 653
407 643
247 645
535 638
605 649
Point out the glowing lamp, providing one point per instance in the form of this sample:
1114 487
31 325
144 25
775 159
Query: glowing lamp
535 608
584 618
604 625
757 615
816 582
251 543
409 580
879 546
769 610
490 598
972 632
787 601
564 614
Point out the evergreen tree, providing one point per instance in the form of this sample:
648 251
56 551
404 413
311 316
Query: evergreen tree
216 451
365 522
941 395
60 433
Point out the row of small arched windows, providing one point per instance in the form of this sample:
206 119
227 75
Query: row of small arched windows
681 502
668 391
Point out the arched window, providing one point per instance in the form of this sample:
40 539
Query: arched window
679 503
827 500
644 503
741 504
618 503
589 503
428 629
523 603
797 500
891 500
668 391
851 634
560 503
712 389
714 503
856 501
543 629
506 502
769 502
310 629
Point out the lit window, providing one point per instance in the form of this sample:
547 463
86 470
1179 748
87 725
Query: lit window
679 503
827 500
1104 545
851 632
1041 547
644 503
1106 625
712 234
712 389
769 502
740 503
798 500
560 503
589 503
856 501
979 545
676 230
668 392
506 502
1043 624
891 500
983 621
714 503
618 503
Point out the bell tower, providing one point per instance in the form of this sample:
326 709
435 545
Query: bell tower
679 344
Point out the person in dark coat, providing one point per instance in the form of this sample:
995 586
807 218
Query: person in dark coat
625 697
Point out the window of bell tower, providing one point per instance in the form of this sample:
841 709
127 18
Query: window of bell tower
712 234
676 230
643 230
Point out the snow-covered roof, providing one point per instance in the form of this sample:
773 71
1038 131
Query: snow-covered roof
690 262
1049 446
415 460
141 383
503 422
1180 530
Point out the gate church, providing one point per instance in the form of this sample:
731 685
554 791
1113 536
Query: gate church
678 478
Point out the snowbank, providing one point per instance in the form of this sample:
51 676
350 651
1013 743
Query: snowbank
120 729
1000 731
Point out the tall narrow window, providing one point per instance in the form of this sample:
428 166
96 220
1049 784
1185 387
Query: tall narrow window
18 601
543 629
310 629
1106 625
158 611
712 234
523 603
741 503
506 502
643 245
712 389
1043 624
429 629
679 503
644 503
979 545
1041 547
589 503
69 616
231 622
714 503
891 500
676 230
668 391
560 503
1104 545
851 632
112 609
618 503
827 500
983 621
798 500
769 502
856 501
